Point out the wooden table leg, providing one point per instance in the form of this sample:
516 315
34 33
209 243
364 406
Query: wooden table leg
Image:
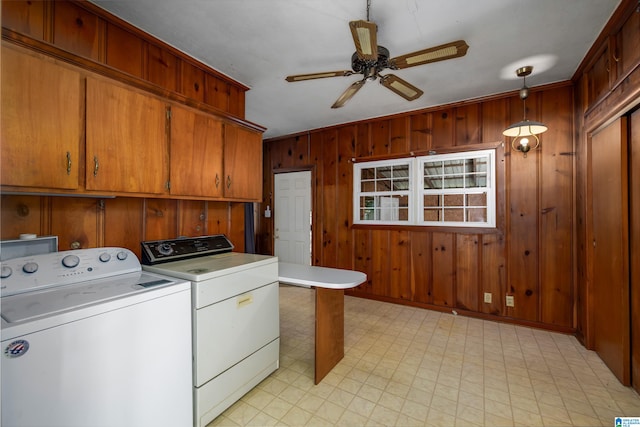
329 330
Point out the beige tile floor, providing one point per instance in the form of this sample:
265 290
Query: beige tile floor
407 366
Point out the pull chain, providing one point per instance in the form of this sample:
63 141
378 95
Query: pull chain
368 7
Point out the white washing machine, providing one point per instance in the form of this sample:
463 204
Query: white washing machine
89 339
236 323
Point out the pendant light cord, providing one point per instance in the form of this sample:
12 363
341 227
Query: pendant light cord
368 7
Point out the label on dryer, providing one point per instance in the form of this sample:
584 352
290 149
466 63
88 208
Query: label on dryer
16 349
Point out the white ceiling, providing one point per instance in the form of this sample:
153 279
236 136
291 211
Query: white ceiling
260 42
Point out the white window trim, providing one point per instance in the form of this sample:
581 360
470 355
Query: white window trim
416 191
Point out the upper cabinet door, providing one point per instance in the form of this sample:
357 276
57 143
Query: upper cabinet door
196 154
242 163
126 148
41 121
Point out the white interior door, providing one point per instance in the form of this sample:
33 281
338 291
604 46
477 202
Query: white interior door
292 217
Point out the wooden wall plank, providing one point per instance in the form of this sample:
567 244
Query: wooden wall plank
399 135
363 140
192 81
400 269
124 223
161 219
380 263
235 227
162 68
74 220
379 137
77 30
421 267
443 272
316 148
468 125
329 197
493 273
420 134
467 272
26 17
523 225
125 51
442 129
217 218
344 196
362 255
556 195
191 218
20 215
494 114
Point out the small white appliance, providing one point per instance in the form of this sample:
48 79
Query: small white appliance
236 323
89 339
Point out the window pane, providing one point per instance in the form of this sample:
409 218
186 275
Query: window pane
475 181
456 215
454 200
432 183
383 185
432 214
432 168
401 184
454 181
383 172
476 215
477 199
476 165
368 186
431 200
368 173
454 167
401 171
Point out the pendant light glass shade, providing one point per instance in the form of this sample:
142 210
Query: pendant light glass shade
522 130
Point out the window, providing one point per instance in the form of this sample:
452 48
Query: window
383 192
456 190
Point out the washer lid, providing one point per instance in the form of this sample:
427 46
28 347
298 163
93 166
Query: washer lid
32 305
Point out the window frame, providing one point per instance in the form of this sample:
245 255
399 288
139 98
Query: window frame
416 192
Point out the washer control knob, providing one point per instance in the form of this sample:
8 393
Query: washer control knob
70 261
6 272
30 267
104 257
122 255
165 249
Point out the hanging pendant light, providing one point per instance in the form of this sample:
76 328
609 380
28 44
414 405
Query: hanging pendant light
525 133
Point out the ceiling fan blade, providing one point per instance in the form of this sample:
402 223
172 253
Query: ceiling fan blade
348 94
365 39
401 87
300 77
433 54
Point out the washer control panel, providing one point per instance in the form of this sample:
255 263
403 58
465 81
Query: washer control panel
35 272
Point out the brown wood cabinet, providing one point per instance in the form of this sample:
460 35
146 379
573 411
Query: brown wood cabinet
42 122
242 163
196 153
126 145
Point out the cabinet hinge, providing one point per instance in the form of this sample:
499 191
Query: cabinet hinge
168 185
168 113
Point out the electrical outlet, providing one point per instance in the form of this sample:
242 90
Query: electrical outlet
510 301
487 297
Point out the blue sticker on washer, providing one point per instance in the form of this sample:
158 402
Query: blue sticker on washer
17 348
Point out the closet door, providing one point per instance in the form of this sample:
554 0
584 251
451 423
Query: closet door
634 233
610 288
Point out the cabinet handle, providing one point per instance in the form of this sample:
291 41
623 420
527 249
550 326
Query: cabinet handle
228 181
68 163
96 165
217 180
617 59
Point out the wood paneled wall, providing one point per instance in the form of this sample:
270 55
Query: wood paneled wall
529 254
82 222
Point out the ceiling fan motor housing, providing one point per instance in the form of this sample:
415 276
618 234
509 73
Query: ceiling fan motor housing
371 68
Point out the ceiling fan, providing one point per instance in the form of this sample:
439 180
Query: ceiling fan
370 59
